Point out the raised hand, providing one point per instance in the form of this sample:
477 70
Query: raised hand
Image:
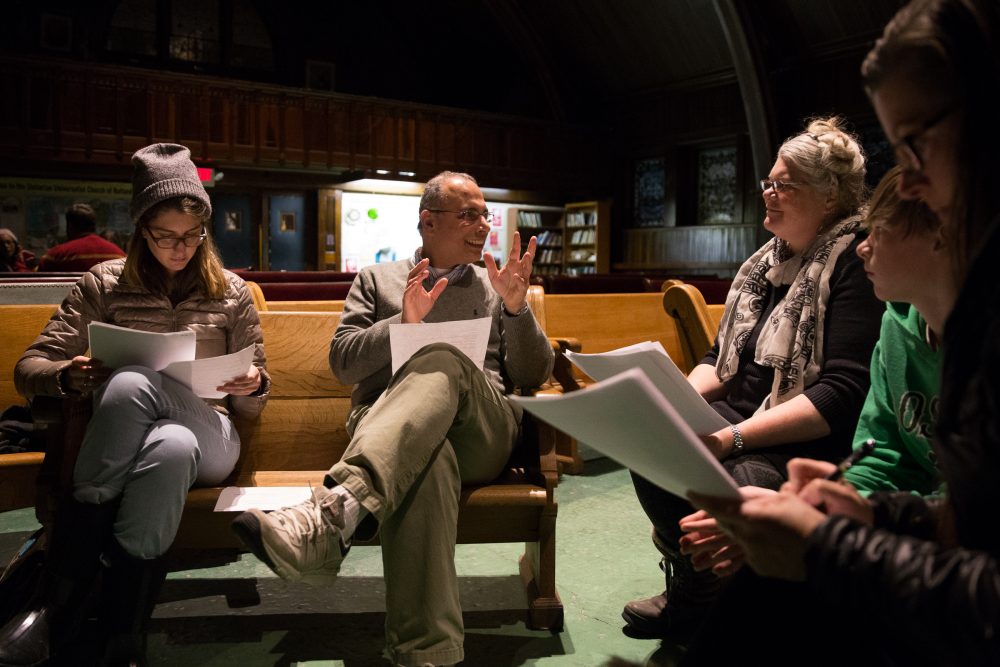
511 282
417 301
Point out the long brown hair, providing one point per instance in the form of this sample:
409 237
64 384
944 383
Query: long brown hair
948 49
204 272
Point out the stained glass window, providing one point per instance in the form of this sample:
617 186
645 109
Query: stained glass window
650 192
717 189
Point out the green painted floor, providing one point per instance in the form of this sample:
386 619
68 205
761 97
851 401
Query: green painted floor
241 614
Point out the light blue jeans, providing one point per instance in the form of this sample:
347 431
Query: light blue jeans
149 440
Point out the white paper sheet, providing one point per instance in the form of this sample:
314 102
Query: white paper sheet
627 418
202 376
242 498
469 336
119 346
666 377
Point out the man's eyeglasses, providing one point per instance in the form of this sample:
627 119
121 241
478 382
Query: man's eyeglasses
467 214
907 155
767 184
170 242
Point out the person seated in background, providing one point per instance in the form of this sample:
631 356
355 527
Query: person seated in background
418 435
789 369
916 578
150 437
12 256
909 264
84 248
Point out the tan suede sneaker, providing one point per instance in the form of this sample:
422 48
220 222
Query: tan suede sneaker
299 543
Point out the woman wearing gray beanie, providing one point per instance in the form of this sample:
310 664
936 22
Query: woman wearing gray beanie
150 438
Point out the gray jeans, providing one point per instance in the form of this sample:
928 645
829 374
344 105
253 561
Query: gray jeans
149 440
439 424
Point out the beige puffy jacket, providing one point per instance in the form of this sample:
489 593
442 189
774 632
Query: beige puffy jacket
221 326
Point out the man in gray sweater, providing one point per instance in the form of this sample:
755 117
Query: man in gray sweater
419 434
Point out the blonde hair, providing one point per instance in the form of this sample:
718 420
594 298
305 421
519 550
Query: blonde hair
204 271
830 160
909 215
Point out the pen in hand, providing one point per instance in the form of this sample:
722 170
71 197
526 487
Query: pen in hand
861 452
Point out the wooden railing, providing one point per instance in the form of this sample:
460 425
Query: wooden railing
63 111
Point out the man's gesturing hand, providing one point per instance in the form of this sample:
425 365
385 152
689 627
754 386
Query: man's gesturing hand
417 301
511 282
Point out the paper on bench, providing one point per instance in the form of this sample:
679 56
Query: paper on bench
120 346
666 377
170 353
627 418
469 336
242 498
202 376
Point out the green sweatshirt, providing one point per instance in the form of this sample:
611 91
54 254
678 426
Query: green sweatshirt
901 408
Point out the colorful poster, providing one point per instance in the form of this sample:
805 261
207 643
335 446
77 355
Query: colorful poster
34 208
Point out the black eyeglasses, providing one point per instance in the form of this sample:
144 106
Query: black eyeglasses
170 242
778 186
907 155
467 214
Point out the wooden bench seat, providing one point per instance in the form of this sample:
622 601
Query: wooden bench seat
299 435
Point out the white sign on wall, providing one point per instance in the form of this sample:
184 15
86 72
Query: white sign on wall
378 228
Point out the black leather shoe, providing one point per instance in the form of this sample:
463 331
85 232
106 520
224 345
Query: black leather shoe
647 618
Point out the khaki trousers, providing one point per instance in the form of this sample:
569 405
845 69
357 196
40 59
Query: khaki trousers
439 424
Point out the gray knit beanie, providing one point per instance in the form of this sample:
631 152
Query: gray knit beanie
164 171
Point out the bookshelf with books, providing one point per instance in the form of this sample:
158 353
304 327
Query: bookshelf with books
546 224
587 237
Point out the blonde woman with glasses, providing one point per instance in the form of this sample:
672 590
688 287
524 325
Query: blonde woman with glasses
789 369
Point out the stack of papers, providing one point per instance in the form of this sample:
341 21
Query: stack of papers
649 426
170 353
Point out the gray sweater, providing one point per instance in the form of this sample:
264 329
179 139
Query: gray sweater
518 354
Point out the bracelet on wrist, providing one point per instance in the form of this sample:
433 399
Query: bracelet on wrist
738 446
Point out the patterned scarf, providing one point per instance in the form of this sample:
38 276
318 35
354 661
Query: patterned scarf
791 341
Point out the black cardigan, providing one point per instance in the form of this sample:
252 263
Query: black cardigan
850 331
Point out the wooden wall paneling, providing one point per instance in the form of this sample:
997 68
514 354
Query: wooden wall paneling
100 114
341 148
40 118
219 125
105 129
71 111
326 228
362 141
426 146
244 146
446 153
268 128
316 135
164 118
465 144
383 137
134 120
295 141
406 140
189 130
487 153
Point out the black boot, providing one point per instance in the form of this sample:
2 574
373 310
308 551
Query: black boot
678 611
128 594
53 614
